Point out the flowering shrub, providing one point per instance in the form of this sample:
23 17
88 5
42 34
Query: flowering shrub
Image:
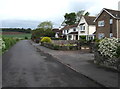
7 43
46 39
2 44
108 47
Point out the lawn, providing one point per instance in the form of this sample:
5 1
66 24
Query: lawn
17 35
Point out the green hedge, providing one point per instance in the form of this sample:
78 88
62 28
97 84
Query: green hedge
9 42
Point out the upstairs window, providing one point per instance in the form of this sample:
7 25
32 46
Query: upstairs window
101 23
111 21
82 28
74 29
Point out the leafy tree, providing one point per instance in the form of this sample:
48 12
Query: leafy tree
49 33
70 18
81 13
46 25
41 32
87 14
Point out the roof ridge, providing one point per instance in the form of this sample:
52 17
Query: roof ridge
110 9
89 16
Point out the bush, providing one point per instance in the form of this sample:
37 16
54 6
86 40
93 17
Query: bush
46 39
108 47
108 53
26 37
83 37
118 52
2 44
9 42
96 40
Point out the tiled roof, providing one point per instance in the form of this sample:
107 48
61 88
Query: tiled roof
69 26
114 13
90 20
55 29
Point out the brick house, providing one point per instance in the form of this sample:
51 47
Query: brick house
108 24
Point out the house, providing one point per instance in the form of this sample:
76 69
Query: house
108 24
70 32
58 32
85 27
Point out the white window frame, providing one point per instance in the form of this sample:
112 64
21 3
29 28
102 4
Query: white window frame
111 21
111 35
101 23
82 28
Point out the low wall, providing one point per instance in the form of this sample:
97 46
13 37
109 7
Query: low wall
57 47
64 41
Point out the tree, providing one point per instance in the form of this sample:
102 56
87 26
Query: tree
81 13
87 14
70 18
46 25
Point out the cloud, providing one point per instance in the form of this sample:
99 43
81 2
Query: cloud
51 10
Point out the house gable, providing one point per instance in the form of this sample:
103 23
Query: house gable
113 13
107 28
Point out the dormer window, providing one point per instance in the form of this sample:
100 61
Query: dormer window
111 21
101 23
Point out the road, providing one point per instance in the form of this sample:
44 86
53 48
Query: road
25 66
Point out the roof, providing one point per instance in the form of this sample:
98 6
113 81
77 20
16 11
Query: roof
55 29
73 33
90 20
114 13
69 26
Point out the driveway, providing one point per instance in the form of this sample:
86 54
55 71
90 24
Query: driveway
25 66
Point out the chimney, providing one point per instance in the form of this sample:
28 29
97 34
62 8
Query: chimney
119 5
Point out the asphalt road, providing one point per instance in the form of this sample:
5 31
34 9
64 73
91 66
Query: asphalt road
25 66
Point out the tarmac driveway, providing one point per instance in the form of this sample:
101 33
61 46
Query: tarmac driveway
25 66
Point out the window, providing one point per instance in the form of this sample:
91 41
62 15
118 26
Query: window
101 23
82 27
111 35
111 21
74 29
101 35
67 31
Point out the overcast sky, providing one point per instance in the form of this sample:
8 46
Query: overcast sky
22 13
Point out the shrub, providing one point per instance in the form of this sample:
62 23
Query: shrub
2 44
108 47
46 39
26 37
96 40
9 42
118 52
83 37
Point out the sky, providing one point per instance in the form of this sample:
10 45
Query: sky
29 13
